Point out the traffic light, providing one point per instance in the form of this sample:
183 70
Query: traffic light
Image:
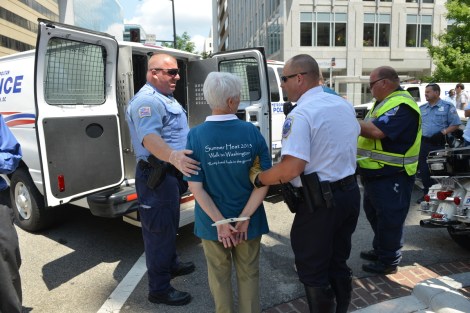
135 34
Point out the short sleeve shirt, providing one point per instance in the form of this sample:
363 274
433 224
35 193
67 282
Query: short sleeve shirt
322 130
151 112
226 148
438 117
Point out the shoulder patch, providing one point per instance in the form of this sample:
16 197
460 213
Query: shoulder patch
392 112
144 112
286 128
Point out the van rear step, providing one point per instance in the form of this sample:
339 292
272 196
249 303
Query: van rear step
113 202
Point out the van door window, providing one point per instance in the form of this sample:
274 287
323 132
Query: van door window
247 70
279 73
273 85
74 73
414 92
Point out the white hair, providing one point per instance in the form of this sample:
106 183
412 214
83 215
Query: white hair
220 87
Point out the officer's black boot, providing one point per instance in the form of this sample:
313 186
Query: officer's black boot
320 299
342 286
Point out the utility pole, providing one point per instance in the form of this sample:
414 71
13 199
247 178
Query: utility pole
174 25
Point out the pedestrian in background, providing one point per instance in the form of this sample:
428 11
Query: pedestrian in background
227 147
388 151
461 96
439 118
325 216
159 128
10 258
451 97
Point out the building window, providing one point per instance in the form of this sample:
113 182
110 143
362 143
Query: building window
418 30
319 29
376 30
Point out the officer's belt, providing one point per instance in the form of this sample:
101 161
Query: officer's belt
430 141
170 169
335 185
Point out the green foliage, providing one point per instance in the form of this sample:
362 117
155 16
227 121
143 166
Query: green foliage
182 43
205 55
452 55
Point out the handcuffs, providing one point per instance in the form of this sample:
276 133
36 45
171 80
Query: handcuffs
231 220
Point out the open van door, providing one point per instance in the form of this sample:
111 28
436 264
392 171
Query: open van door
77 121
250 66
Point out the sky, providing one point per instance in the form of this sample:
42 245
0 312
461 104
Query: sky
156 17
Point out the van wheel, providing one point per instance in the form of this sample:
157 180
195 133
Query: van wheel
463 240
27 202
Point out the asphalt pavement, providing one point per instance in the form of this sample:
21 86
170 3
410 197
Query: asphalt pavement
77 266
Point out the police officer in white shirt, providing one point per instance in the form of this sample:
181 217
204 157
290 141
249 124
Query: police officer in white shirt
319 140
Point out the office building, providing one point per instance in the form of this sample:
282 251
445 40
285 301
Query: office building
358 35
19 25
19 19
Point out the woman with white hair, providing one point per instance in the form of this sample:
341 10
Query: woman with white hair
229 213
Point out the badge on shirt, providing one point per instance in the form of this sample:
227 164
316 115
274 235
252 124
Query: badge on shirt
144 112
286 128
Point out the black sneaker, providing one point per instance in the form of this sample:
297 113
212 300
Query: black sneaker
370 255
171 297
378 267
184 268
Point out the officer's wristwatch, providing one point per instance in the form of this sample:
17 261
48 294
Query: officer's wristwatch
258 183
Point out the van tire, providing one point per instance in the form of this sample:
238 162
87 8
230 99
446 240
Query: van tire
27 202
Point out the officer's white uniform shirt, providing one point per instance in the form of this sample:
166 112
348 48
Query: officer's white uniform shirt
323 131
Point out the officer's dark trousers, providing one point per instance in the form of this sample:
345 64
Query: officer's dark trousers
159 211
386 203
321 241
423 167
10 261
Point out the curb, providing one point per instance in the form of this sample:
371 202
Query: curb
438 295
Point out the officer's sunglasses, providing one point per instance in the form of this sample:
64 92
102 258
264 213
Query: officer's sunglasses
170 71
285 78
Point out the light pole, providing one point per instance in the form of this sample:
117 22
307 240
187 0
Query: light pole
174 27
333 63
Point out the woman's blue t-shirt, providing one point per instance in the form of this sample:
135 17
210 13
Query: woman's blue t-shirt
226 150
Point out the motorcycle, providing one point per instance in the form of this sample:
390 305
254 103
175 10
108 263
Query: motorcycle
448 201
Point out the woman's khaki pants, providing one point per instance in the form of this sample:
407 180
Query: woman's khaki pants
245 257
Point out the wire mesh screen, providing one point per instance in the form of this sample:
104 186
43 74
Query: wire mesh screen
74 73
247 70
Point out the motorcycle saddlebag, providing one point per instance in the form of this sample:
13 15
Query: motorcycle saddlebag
449 162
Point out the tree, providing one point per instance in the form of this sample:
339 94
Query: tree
452 55
182 43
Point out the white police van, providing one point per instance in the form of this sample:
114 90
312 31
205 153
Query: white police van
65 103
278 98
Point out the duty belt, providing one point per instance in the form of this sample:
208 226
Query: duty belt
334 185
170 169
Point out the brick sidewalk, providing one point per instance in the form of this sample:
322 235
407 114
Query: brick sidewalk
375 289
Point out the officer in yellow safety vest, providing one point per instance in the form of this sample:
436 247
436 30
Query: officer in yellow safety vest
388 152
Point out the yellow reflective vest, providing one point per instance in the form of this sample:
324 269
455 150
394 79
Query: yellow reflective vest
370 152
